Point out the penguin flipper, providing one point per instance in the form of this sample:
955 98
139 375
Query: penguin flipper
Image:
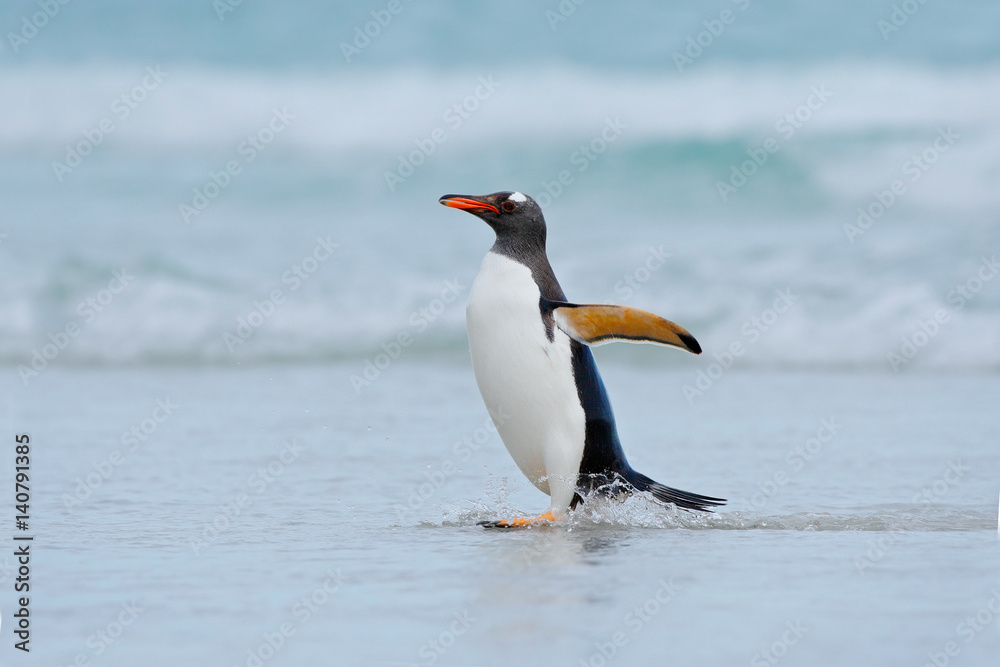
599 324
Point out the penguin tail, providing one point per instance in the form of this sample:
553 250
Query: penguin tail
669 496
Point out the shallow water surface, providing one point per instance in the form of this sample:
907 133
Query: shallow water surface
354 543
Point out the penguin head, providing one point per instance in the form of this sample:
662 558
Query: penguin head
512 215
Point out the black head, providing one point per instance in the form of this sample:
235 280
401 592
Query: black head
515 217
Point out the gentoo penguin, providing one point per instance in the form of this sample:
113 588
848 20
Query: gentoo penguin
535 370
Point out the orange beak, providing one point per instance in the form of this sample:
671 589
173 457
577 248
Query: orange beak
467 203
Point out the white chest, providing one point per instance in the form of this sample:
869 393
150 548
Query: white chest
525 379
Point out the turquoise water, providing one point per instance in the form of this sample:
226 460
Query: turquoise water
235 213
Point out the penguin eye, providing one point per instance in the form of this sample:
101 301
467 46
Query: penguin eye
508 206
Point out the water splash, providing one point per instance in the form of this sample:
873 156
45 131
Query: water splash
641 511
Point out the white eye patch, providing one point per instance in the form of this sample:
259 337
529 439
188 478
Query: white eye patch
518 197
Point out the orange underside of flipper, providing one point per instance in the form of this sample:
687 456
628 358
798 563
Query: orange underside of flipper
595 324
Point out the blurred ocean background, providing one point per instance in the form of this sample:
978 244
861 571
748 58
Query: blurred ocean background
655 185
234 205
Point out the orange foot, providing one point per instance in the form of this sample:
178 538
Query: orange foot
542 520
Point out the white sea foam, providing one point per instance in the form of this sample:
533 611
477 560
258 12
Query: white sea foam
856 303
205 107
